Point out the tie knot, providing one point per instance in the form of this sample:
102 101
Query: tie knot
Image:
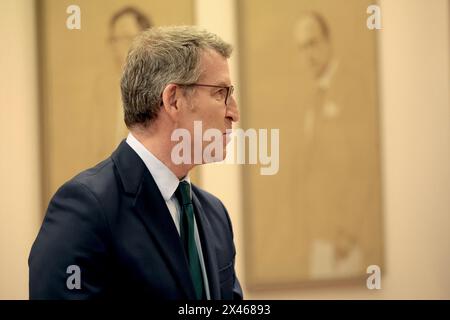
183 193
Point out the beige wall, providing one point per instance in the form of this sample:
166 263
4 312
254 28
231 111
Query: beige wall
19 160
414 88
415 115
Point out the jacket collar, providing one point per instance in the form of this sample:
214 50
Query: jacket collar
130 168
152 209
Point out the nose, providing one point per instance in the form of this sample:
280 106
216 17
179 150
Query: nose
232 111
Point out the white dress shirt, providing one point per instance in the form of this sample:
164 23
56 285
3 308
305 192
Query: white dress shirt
167 183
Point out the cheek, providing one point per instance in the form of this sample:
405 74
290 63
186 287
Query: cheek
209 111
214 117
217 121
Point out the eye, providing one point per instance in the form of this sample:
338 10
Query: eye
221 93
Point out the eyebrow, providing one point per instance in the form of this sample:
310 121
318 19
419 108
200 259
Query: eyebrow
215 83
223 84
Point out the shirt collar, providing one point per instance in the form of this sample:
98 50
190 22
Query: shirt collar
166 181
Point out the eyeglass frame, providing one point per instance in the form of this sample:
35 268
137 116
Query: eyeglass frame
230 89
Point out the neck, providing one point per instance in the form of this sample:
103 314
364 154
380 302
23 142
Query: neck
160 145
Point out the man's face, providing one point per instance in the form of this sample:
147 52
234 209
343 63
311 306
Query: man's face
122 35
207 104
313 45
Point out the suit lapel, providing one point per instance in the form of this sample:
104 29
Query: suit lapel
156 216
209 254
153 211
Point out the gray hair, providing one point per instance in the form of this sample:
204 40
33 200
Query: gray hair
157 57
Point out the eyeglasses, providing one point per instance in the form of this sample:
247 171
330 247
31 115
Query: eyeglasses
230 89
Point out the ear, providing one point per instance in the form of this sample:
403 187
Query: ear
170 102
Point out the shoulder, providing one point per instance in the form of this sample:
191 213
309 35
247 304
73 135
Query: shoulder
99 181
89 188
75 231
96 177
96 188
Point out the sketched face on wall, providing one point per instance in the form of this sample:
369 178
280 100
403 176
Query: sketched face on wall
312 37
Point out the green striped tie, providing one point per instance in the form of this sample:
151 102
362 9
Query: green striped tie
183 194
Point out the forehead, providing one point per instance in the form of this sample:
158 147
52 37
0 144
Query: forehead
126 25
214 68
306 28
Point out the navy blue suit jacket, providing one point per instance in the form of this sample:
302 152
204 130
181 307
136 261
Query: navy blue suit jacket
113 223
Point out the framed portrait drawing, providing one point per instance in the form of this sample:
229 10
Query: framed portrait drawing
82 117
309 69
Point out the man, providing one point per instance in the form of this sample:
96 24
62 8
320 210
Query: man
331 212
133 226
312 35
